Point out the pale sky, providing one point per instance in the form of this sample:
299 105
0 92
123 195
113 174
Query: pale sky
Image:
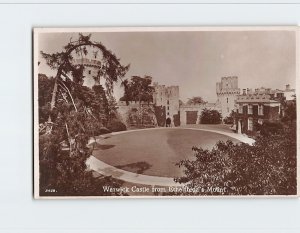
196 60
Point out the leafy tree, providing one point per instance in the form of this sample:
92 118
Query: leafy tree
210 117
230 119
290 110
112 108
196 100
74 113
139 89
266 168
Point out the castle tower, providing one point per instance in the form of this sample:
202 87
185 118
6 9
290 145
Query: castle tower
227 91
168 97
91 69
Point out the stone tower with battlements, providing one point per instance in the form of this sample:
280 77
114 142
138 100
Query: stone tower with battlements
90 73
227 91
168 97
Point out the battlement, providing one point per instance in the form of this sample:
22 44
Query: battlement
87 62
133 103
228 85
229 78
251 98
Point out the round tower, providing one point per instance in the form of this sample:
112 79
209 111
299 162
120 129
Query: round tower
91 75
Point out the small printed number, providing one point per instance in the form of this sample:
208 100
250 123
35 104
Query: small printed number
50 191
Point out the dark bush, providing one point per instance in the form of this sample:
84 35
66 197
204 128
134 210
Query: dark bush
268 167
228 120
160 113
210 117
104 130
270 128
116 125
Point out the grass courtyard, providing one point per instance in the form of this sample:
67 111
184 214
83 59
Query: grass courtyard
154 152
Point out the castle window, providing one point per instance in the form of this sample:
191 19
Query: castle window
241 108
168 102
90 71
260 110
227 100
250 124
168 114
250 109
227 109
168 108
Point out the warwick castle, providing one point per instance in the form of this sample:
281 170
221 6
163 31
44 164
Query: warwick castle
166 104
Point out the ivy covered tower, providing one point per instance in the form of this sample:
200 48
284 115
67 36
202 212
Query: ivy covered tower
92 69
92 73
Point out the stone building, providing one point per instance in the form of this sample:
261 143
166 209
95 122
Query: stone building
255 108
227 91
167 97
190 113
129 112
91 71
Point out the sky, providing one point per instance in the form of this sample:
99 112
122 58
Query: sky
195 60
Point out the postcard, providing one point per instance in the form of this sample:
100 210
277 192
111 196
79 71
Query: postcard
165 112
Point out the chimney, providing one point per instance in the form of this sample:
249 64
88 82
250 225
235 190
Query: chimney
287 87
244 92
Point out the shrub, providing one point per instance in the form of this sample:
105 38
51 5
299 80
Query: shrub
116 125
104 130
228 120
210 117
266 168
270 128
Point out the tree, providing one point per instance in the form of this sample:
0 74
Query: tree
74 112
139 89
266 168
290 110
196 100
230 119
210 117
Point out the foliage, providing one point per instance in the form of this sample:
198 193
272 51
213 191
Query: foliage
196 100
210 117
176 119
116 125
290 110
112 108
68 176
142 117
266 168
229 119
160 115
75 114
270 128
45 86
138 89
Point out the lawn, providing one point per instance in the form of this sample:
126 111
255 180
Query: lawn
154 152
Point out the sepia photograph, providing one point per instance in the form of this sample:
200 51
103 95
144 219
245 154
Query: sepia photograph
165 112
